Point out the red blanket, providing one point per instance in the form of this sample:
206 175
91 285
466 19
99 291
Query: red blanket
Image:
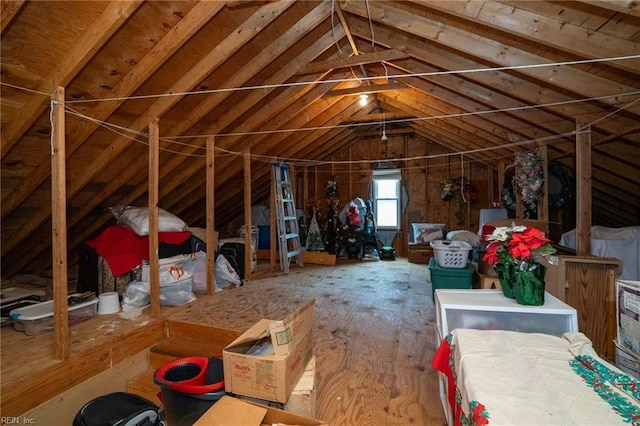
124 250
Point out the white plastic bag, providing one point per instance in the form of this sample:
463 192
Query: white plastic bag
176 287
225 274
196 265
136 295
137 219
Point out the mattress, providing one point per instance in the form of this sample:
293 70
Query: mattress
619 243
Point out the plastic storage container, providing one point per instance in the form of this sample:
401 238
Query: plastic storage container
451 254
38 319
455 278
264 237
490 309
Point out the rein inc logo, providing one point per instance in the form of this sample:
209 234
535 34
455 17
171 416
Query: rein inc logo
17 420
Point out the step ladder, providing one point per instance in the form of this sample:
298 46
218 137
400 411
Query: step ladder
287 222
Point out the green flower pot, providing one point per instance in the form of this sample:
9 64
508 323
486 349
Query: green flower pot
506 275
529 285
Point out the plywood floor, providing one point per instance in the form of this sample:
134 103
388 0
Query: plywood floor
373 337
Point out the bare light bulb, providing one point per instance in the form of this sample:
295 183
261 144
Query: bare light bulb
363 99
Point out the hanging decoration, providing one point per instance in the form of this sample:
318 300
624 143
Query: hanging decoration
559 185
331 188
461 191
530 178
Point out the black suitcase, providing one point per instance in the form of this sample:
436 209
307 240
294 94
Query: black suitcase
234 253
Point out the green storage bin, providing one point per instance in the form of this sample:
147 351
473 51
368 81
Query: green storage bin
454 278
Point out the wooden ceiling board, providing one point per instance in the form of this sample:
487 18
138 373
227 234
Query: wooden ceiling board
499 82
555 33
56 25
127 48
173 180
565 77
500 125
488 99
476 129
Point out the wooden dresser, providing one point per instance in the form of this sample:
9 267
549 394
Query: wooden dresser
588 283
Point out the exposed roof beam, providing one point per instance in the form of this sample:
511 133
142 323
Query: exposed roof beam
216 56
372 88
10 10
78 132
376 117
622 6
389 132
366 58
343 22
501 90
486 49
107 23
541 29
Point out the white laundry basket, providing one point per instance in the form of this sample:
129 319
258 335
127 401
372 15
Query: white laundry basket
451 254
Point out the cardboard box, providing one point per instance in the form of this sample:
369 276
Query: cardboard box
318 258
270 377
627 362
628 315
419 253
233 411
302 400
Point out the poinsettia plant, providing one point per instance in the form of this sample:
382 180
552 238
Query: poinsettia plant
518 244
513 251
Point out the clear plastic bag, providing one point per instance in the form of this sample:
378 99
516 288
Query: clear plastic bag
225 274
196 265
176 288
135 296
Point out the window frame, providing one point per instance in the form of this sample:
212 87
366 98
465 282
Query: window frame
387 175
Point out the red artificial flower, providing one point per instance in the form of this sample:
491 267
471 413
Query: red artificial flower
523 243
491 256
518 243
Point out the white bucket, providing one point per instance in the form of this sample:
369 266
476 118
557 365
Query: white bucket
108 303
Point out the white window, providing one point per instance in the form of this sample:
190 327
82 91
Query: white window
386 198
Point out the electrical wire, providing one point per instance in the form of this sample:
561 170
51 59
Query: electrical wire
343 80
120 130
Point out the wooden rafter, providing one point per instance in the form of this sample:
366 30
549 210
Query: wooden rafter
109 21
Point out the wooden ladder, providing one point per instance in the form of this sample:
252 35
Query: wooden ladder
288 230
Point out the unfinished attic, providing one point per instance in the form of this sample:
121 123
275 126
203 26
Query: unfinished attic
385 119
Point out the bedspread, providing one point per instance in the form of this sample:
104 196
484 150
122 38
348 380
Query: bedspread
511 378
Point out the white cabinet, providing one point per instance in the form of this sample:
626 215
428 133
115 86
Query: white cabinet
491 310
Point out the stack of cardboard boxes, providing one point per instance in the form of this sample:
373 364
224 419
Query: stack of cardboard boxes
628 320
